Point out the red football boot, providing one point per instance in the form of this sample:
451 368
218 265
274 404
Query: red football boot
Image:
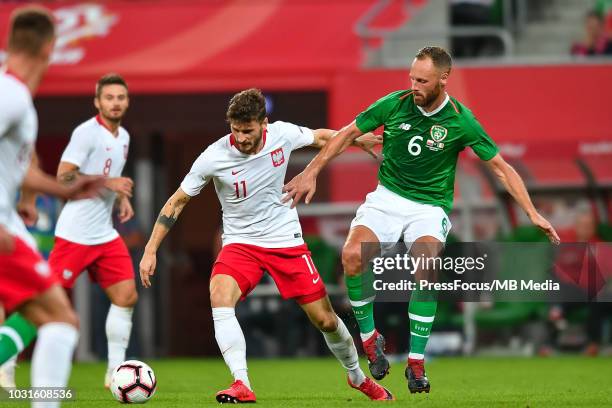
374 349
417 379
373 390
237 393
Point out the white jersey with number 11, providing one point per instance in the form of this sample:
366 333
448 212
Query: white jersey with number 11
249 187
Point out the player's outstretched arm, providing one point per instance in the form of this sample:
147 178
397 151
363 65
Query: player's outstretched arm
38 181
167 217
68 173
321 137
515 186
305 183
365 142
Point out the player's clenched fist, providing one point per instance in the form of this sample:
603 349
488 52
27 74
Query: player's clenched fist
147 268
302 185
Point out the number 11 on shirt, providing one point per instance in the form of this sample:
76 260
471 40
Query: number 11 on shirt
244 190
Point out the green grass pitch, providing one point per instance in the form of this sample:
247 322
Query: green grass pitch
456 382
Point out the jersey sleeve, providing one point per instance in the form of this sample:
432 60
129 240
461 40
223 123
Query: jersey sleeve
79 147
200 174
476 138
298 136
12 110
377 113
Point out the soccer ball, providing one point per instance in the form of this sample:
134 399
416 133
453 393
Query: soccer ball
133 382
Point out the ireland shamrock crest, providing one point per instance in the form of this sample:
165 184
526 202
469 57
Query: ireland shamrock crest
438 133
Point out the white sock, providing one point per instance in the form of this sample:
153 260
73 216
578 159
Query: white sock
366 336
10 363
7 372
231 342
341 344
52 358
118 329
416 356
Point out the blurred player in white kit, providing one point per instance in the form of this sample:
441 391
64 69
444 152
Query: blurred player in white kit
27 284
84 237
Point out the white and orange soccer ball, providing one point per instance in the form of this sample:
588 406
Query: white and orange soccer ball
133 382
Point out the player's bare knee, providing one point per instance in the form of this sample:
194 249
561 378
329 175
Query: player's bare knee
351 260
324 320
126 299
34 313
224 291
220 297
41 314
330 323
131 299
71 318
64 313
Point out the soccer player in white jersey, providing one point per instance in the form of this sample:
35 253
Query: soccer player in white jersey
27 284
260 234
84 236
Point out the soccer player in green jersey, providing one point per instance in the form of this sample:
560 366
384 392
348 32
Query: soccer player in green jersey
424 131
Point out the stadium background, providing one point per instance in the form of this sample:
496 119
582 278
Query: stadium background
320 63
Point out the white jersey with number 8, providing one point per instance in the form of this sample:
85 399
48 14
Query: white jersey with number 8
96 151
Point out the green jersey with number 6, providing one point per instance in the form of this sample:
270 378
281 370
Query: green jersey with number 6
420 149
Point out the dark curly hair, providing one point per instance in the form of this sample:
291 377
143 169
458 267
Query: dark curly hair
246 106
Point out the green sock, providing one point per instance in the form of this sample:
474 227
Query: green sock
361 296
15 335
421 314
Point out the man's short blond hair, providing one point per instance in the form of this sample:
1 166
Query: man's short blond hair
438 55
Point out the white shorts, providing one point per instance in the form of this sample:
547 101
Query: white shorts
391 216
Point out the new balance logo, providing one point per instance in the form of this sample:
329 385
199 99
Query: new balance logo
405 126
